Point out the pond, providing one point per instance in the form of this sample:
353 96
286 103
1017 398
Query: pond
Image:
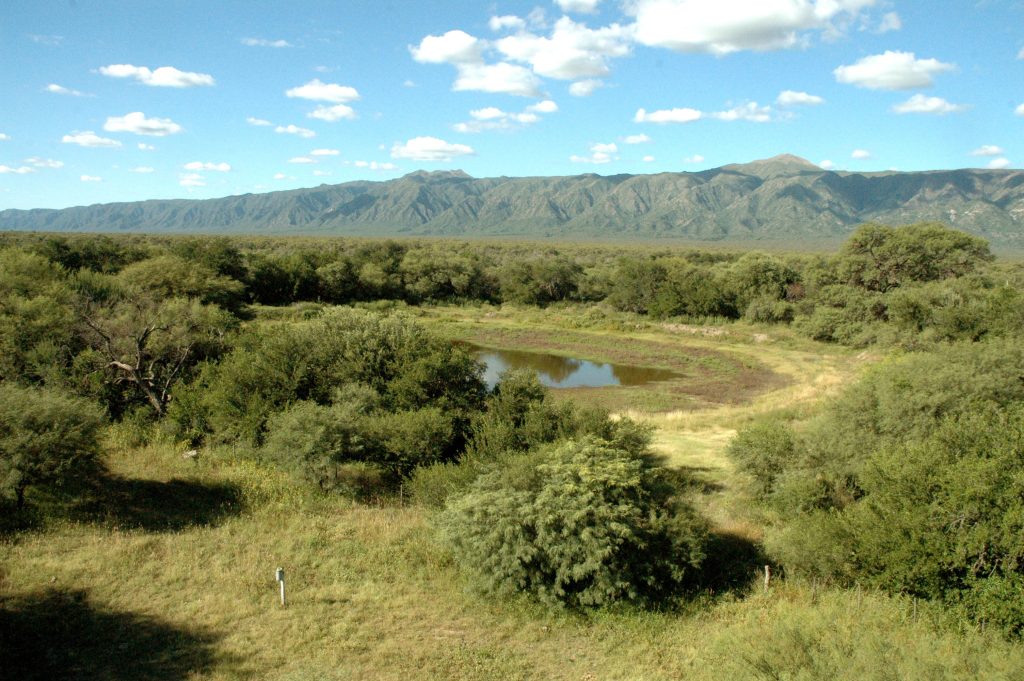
556 371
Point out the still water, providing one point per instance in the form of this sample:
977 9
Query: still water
555 371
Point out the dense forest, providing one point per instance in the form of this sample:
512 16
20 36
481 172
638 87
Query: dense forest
308 357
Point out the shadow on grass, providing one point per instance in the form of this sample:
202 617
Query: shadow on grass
732 563
61 635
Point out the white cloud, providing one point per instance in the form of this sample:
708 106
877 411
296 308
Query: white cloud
37 162
302 159
584 6
191 180
61 90
547 106
49 40
320 173
206 165
794 98
257 121
318 91
600 154
647 159
325 152
282 176
90 178
572 52
827 165
750 111
860 154
928 105
137 124
667 116
585 88
430 149
89 139
144 170
998 164
487 114
1019 110
497 78
20 170
294 130
263 42
4 137
890 22
146 147
454 47
892 71
637 139
373 165
165 76
506 22
988 150
696 158
333 114
724 26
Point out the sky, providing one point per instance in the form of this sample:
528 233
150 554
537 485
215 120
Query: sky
111 100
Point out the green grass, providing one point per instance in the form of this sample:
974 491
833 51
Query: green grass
167 572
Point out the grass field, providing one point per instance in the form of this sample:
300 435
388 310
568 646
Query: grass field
168 572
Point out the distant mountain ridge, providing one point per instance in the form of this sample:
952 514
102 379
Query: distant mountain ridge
781 198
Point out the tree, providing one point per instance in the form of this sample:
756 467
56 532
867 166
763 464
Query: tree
171 276
45 437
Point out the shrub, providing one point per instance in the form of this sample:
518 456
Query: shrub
582 524
45 438
763 451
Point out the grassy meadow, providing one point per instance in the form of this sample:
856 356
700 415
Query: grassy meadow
166 570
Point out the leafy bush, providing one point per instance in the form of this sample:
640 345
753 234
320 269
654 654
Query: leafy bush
763 451
45 438
581 524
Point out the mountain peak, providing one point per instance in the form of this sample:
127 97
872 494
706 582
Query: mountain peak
776 166
439 175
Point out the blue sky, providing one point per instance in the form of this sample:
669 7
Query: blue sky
124 101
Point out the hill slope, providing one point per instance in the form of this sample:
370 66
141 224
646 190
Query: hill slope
781 198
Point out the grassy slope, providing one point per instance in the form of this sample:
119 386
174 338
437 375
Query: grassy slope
372 597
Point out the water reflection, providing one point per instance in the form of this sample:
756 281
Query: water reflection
565 372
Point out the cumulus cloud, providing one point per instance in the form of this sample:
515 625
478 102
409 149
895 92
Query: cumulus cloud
600 154
454 47
724 26
320 173
90 178
89 139
998 164
860 154
584 6
4 137
191 180
1019 110
374 165
794 98
500 78
892 71
263 42
61 90
257 121
696 158
585 88
572 52
318 91
137 124
890 22
143 170
146 147
430 149
637 139
647 159
302 160
547 106
325 152
988 150
20 170
684 115
493 118
294 130
164 76
751 111
827 165
282 176
37 162
333 114
928 105
206 165
506 22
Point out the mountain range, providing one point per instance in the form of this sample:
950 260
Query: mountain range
784 198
